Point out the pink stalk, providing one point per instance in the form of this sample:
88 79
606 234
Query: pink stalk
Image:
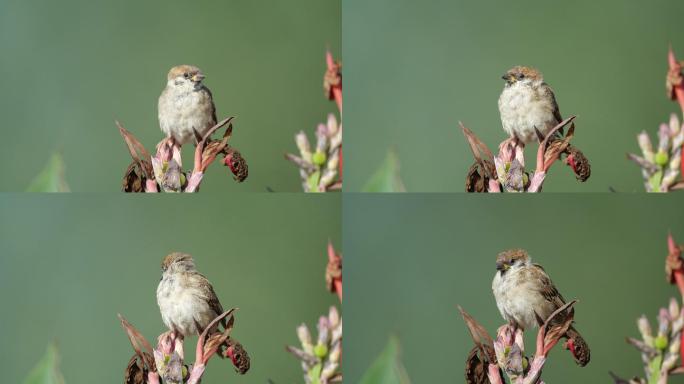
494 186
153 378
679 280
336 89
337 95
678 273
151 186
676 69
334 259
494 374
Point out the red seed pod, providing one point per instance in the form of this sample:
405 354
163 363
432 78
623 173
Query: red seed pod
579 164
237 164
238 355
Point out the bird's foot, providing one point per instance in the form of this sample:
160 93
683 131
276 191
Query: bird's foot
167 142
179 346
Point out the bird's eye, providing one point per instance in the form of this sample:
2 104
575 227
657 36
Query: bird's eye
520 76
186 75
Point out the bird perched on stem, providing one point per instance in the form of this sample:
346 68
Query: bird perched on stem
186 299
526 297
186 106
529 112
527 104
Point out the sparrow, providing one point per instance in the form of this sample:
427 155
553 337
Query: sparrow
526 297
527 103
186 107
186 299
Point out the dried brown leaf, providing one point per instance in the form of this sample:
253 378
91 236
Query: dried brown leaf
135 177
480 336
476 367
139 343
136 371
479 175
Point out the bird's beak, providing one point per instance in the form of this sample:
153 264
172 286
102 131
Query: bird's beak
197 77
508 77
501 266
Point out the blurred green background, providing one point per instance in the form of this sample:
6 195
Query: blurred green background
70 263
414 69
72 67
416 257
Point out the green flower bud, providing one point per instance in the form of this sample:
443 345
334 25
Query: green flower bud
320 350
319 158
661 342
661 158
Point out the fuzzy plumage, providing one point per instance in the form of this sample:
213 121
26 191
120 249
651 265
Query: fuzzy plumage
526 103
186 299
186 106
526 297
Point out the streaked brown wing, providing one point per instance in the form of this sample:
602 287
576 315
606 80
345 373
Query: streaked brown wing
548 290
213 106
548 92
211 298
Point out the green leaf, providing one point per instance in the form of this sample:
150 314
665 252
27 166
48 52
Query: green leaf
51 178
386 178
47 370
387 368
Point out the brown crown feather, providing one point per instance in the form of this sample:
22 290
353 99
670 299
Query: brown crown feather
182 70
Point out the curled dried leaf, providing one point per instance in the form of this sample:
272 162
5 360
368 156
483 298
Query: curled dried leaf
135 178
554 149
211 150
479 175
480 337
136 370
477 366
214 343
139 343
